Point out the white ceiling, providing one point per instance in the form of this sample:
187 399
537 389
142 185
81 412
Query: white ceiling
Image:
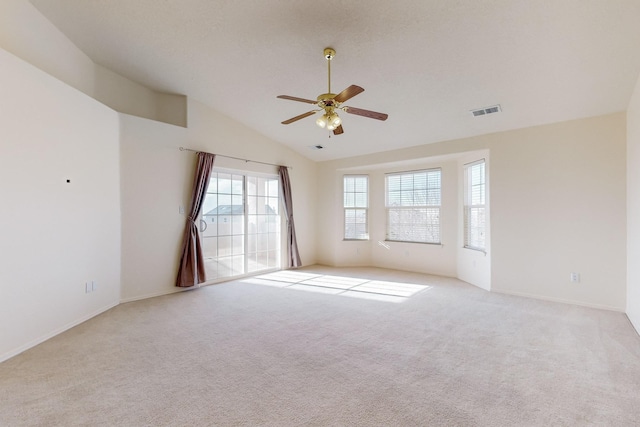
424 62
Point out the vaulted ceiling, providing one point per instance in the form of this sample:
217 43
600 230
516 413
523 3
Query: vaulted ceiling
426 63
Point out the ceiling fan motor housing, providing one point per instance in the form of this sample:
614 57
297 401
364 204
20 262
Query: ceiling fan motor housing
329 53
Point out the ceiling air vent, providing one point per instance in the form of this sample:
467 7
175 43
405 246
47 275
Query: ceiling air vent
486 110
316 147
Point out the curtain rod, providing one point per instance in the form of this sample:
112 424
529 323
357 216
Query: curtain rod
237 158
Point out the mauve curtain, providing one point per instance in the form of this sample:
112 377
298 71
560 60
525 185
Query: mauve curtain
191 268
293 258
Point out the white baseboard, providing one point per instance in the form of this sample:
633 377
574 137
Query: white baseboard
635 321
157 294
561 300
33 343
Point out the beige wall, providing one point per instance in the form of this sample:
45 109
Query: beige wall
557 206
56 236
157 178
633 208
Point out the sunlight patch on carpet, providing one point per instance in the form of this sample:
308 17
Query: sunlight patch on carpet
355 287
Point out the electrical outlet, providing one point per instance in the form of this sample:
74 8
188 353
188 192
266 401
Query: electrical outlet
181 209
574 277
87 287
94 285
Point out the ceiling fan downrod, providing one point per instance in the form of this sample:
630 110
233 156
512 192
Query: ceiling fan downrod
329 54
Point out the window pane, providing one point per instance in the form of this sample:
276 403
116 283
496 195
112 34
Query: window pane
474 211
406 182
211 228
393 198
274 205
237 184
413 206
355 195
272 188
361 200
238 224
393 183
420 181
349 200
224 183
225 228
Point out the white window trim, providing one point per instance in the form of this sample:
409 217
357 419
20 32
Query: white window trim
439 207
345 209
467 206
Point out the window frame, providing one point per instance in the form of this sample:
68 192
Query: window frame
468 206
355 208
426 206
276 218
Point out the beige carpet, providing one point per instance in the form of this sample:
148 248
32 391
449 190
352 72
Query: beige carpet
369 350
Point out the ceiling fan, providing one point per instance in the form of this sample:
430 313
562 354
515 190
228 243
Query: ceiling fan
329 103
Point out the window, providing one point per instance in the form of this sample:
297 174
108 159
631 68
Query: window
356 203
240 224
413 206
474 206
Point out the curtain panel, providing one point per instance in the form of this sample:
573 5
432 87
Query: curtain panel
293 256
191 268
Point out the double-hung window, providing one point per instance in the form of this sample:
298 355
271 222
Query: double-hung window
413 206
474 206
356 204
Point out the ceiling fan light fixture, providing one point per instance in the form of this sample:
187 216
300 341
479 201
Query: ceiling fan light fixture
335 120
322 121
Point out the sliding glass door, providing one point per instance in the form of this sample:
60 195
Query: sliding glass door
240 224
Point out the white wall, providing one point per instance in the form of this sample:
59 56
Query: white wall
55 235
157 178
30 36
633 208
26 33
557 206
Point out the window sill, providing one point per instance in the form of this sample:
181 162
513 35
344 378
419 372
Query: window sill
419 243
484 251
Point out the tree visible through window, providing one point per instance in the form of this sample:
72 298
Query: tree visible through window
413 206
474 206
356 202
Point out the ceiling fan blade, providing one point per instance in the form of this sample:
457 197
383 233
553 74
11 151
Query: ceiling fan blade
301 116
293 98
338 130
366 113
348 93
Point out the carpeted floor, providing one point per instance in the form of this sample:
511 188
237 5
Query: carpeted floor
339 347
